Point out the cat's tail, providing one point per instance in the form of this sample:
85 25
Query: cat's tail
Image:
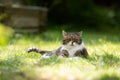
34 49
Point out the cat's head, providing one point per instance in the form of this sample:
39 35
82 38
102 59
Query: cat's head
72 38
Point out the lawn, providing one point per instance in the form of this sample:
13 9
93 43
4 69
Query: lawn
103 62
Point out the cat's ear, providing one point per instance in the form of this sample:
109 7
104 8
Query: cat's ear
80 33
64 33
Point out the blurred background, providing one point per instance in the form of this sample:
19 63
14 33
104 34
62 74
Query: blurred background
96 15
41 23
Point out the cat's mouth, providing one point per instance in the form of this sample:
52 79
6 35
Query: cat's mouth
72 45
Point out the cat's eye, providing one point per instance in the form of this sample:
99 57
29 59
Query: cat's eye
68 39
76 40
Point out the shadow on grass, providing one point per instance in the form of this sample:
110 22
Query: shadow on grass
108 77
10 69
15 76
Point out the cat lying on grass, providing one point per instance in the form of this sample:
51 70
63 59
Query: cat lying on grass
72 46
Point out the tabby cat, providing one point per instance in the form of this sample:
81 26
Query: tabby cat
72 46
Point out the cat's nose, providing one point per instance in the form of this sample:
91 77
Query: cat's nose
72 43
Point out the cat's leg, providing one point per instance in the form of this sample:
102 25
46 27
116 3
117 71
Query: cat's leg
78 53
61 53
81 53
65 53
33 49
37 50
84 52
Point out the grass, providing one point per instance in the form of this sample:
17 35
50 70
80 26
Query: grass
103 62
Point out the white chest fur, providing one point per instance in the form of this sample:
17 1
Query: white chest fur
72 49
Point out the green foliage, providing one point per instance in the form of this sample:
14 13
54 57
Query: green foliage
5 34
85 13
108 77
102 64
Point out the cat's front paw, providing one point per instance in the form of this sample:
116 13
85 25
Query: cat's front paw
65 53
32 49
29 49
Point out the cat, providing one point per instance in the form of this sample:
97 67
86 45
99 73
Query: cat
72 46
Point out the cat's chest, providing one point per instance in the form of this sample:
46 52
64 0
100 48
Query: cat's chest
72 49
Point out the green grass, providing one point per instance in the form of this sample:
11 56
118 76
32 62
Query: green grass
103 62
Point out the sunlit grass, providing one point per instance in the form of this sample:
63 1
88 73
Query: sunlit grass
103 62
